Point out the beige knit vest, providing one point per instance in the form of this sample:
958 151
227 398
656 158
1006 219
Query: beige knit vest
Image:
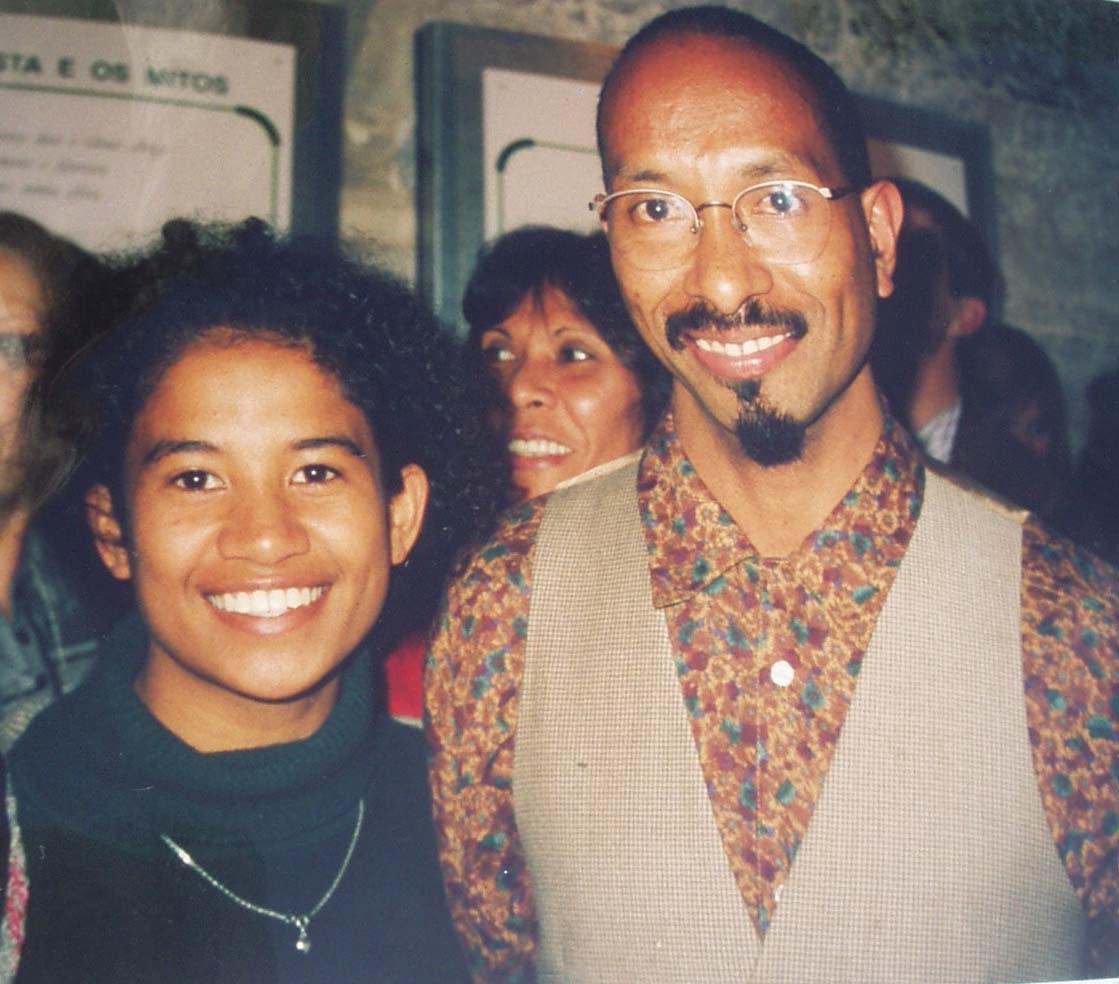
928 858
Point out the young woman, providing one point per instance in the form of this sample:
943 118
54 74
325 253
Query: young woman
222 800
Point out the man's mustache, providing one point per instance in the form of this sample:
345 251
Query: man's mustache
701 316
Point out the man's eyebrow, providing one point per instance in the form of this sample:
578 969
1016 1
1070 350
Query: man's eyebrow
165 448
777 165
331 440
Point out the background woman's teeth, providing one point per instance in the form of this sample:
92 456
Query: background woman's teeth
537 447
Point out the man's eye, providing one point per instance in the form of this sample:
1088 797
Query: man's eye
781 201
196 480
573 353
315 475
657 211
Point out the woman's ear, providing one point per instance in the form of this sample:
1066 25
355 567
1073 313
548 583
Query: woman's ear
108 537
406 511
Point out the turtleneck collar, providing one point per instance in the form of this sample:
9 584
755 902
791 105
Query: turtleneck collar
99 762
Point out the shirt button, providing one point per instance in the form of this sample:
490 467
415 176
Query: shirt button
782 673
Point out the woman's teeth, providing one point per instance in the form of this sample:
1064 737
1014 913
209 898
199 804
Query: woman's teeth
537 448
265 604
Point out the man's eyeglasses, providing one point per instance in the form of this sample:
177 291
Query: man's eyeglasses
782 221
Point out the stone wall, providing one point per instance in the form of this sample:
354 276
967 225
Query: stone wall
1043 76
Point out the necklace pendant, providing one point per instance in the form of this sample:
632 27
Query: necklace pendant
303 944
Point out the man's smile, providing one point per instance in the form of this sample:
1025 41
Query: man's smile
749 346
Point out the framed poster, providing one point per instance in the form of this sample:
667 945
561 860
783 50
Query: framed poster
506 137
109 129
951 155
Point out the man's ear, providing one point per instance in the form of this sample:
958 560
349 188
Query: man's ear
970 315
108 537
883 208
406 512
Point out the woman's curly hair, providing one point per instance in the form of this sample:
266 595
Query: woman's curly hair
394 361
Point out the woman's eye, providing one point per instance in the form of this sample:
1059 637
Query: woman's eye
494 354
573 353
196 480
315 475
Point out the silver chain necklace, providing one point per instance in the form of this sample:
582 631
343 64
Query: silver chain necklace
303 943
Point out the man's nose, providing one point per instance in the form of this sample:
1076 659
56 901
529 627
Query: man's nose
265 527
725 270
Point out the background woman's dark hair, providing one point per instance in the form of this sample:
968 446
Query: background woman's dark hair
360 324
526 261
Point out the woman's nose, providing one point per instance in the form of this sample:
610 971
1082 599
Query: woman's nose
532 383
264 527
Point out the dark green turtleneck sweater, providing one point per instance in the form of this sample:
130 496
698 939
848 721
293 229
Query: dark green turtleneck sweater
97 779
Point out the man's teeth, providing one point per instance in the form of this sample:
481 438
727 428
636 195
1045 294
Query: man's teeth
265 604
537 448
734 349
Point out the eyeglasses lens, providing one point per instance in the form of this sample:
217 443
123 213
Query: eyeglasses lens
782 223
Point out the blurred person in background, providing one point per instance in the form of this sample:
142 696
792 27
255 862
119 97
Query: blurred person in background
1014 440
1091 516
945 287
981 397
47 629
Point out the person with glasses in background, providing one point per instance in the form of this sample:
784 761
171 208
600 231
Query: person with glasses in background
775 703
48 633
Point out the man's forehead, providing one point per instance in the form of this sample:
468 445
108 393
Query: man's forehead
713 93
736 64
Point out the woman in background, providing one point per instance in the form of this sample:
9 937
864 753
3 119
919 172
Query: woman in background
572 388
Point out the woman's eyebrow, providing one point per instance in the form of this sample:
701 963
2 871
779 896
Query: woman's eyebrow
332 440
164 448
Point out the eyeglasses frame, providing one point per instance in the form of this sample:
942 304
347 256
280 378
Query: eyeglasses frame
601 200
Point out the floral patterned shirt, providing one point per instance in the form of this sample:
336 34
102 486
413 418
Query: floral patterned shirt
736 618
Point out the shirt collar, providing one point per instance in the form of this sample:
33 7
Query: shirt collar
692 540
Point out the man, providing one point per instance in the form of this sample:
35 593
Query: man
945 287
699 721
47 637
